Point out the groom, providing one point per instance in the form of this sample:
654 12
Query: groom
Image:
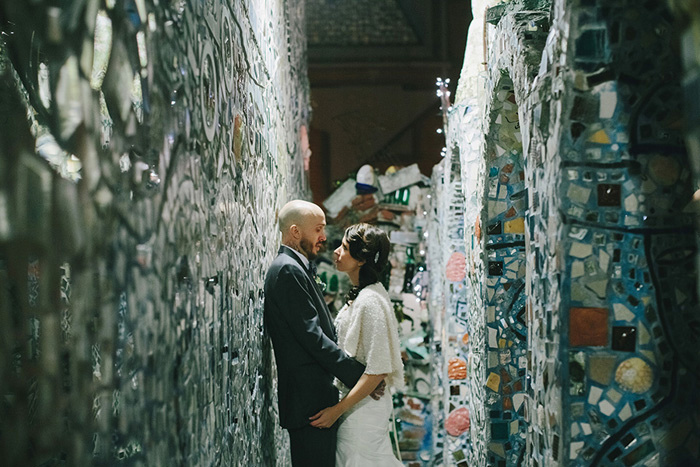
303 336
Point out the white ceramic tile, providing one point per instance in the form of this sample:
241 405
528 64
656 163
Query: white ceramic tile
594 394
606 407
580 250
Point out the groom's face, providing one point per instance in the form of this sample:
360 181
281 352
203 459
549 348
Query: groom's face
313 234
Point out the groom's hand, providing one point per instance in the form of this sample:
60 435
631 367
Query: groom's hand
326 417
378 391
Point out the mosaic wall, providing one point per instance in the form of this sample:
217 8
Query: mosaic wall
436 260
468 334
600 311
688 21
450 328
146 148
626 246
493 179
504 241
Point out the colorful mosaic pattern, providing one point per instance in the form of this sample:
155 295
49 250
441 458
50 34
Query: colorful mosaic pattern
686 13
603 261
457 413
504 237
437 314
496 203
137 221
626 185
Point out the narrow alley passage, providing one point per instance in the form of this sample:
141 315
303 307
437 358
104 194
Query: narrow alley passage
543 265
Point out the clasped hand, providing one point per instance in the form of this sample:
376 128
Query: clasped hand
328 416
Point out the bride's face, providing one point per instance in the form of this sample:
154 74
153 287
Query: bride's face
344 262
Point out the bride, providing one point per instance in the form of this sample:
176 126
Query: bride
367 330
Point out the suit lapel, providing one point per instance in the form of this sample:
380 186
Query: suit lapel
321 307
287 251
323 312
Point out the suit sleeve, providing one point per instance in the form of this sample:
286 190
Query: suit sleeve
301 317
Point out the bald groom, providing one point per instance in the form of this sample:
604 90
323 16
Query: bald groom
303 336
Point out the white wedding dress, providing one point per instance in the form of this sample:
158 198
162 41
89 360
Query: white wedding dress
368 330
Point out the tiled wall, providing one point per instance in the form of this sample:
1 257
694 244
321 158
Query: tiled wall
585 277
687 20
503 233
450 329
436 261
486 135
624 182
131 292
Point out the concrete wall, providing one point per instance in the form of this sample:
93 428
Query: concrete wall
132 273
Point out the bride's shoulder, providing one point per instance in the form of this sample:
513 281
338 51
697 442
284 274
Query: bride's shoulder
372 293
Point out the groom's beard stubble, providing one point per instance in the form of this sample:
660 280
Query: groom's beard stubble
308 248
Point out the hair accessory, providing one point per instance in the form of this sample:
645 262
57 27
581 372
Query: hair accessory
376 257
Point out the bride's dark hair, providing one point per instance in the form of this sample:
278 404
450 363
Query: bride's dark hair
369 244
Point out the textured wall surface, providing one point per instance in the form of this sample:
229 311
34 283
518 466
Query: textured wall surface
447 302
626 319
596 232
137 220
503 235
687 15
485 134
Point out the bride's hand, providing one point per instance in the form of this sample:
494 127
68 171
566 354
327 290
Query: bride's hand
378 391
326 417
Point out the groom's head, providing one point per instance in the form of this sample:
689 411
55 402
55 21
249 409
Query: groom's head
303 227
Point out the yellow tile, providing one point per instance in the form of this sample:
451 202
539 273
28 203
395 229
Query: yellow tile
493 382
514 427
498 448
599 136
516 226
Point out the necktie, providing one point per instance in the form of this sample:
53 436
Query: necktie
312 269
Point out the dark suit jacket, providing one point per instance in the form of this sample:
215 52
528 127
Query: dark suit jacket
303 336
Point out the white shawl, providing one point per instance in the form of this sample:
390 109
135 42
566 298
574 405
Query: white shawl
368 331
